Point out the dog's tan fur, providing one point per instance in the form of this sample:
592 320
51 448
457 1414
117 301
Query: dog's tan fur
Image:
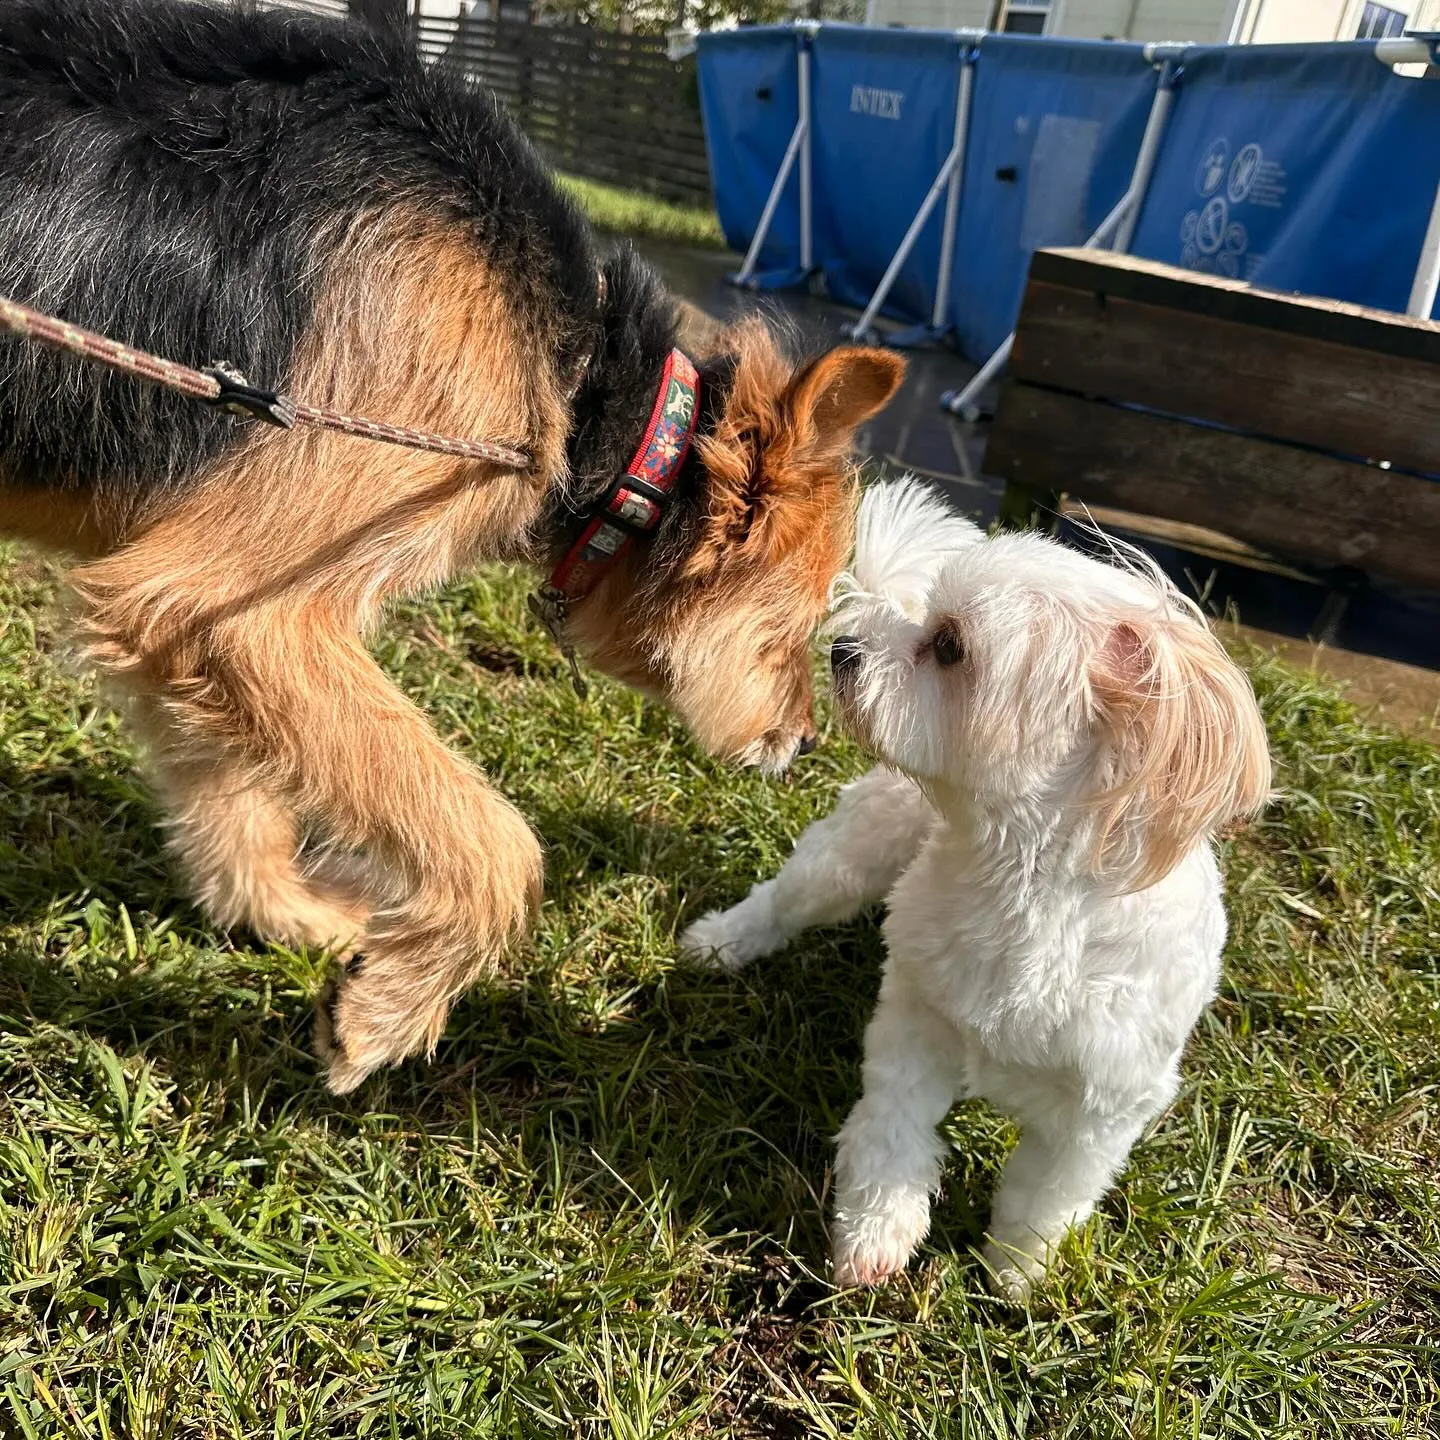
234 619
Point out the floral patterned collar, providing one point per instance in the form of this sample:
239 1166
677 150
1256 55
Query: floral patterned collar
634 504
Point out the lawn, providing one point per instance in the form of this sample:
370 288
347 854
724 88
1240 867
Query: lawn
600 1210
629 212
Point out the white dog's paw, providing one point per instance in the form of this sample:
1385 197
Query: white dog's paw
874 1241
731 939
1012 1273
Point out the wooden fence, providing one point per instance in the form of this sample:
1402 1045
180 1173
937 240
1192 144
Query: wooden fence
606 106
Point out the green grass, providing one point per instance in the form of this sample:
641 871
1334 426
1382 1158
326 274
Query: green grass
600 1211
629 212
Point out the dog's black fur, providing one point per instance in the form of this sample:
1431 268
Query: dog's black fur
167 173
295 196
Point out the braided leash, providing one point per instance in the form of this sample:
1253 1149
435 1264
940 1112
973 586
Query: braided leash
220 386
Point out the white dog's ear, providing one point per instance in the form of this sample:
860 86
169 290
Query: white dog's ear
1189 746
904 533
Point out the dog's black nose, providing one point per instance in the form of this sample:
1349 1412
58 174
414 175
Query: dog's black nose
807 745
845 654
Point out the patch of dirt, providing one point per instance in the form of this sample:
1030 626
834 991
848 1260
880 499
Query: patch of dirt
497 659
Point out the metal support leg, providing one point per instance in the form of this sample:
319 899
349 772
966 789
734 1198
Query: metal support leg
938 322
746 272
861 328
1427 272
797 149
1345 584
1419 48
965 402
948 181
1155 126
807 257
1119 223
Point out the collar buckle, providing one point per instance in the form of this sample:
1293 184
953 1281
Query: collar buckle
631 509
551 607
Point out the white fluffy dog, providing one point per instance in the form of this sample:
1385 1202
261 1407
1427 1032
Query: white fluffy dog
1060 737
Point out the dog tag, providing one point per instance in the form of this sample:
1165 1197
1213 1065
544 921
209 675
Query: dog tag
549 607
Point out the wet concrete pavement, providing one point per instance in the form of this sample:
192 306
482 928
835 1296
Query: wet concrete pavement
1385 623
911 432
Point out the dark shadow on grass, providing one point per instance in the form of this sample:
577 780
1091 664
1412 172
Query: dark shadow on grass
73 829
77 842
587 848
714 1095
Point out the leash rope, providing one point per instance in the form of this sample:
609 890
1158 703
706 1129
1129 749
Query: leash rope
226 389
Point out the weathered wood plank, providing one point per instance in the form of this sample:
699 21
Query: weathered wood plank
1254 377
1125 277
625 121
1196 539
1291 502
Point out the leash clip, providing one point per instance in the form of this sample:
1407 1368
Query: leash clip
550 607
241 398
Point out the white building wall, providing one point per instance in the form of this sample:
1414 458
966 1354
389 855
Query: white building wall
1281 21
1277 22
1120 19
932 14
1197 20
1205 21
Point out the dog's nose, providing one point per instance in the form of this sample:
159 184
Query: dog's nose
845 654
807 745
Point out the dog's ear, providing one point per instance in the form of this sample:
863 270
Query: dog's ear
832 396
775 460
1188 745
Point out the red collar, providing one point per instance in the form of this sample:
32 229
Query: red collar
634 504
637 500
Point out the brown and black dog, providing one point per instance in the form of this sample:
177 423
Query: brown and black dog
309 203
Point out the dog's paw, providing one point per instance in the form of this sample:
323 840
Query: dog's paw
872 1242
1011 1273
363 1025
425 947
731 939
341 1074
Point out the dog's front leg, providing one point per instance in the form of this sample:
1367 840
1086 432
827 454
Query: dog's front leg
452 871
461 868
841 864
1053 1180
890 1152
239 845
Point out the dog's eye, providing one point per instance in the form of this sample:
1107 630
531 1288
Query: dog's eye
946 647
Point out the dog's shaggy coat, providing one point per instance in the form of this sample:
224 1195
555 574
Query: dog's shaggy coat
1060 738
307 202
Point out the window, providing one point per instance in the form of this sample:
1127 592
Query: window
1026 17
1380 22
